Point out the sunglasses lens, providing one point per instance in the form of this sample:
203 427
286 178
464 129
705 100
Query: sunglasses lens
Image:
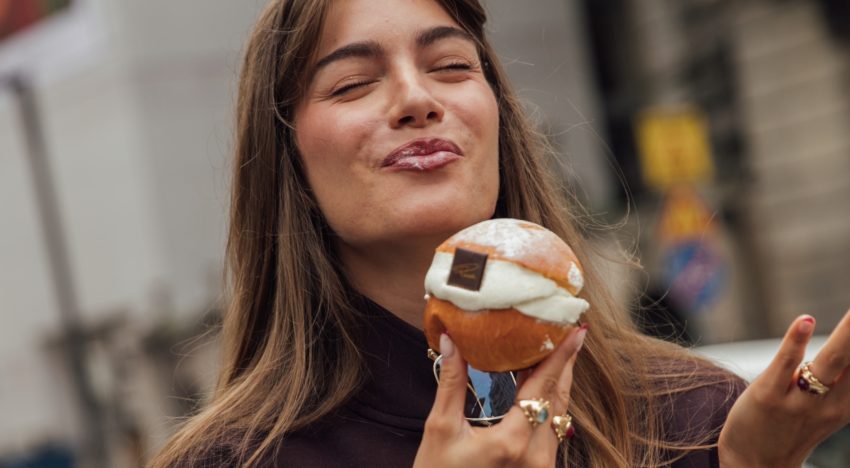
490 394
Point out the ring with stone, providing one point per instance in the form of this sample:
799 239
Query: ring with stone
807 381
536 410
563 426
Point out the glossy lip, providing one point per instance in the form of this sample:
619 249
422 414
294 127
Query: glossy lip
423 154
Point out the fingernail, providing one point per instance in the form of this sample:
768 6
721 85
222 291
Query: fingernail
806 325
447 348
581 333
584 326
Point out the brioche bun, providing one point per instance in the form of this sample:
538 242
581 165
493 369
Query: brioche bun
525 304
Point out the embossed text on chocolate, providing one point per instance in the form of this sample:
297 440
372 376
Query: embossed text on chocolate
467 269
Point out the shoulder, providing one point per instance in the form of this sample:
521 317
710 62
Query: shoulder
209 454
693 408
207 457
703 409
697 393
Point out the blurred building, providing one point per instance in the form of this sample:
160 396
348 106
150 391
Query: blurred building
134 102
770 78
794 75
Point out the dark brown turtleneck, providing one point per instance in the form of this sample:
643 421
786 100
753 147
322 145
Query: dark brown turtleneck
382 425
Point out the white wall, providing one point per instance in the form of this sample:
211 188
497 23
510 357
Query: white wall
137 139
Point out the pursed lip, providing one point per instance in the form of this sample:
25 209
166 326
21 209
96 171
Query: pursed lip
420 148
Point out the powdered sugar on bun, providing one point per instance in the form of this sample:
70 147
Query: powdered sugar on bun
512 238
525 243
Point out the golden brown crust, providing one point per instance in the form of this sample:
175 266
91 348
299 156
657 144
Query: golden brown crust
552 258
522 340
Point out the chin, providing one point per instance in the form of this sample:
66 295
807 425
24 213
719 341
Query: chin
438 207
418 216
440 221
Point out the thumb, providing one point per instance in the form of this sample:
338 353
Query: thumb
779 373
451 392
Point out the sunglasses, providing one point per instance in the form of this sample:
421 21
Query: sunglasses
490 395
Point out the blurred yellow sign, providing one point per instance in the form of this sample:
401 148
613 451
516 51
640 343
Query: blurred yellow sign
673 147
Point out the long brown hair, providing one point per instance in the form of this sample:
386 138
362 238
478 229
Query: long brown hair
289 333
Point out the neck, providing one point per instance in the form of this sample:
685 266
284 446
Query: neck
392 276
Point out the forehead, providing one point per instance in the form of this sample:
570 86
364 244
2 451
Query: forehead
393 21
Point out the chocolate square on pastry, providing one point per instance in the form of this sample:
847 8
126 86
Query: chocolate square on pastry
467 269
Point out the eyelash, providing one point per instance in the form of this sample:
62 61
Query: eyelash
457 66
349 87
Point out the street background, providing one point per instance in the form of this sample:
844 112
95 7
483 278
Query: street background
711 137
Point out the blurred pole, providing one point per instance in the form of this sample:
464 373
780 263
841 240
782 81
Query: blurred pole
74 341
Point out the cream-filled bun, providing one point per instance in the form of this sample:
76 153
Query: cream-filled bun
505 291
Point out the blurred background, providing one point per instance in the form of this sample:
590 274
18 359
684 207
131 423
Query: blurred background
713 134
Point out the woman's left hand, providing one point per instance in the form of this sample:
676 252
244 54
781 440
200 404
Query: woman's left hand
775 423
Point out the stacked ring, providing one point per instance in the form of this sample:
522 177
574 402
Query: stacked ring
563 426
536 410
809 383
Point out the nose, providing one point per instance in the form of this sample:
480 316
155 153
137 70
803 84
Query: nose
414 103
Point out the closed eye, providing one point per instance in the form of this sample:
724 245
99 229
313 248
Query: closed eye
457 66
350 87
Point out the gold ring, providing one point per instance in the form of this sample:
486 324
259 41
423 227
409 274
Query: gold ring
536 410
809 383
563 426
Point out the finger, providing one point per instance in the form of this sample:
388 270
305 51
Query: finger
546 442
451 391
780 373
565 385
543 381
840 396
834 357
841 387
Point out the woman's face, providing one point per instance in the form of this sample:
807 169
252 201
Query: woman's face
398 132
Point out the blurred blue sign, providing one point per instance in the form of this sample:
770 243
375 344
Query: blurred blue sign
695 274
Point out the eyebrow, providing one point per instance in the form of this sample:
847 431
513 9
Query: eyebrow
366 49
371 49
432 35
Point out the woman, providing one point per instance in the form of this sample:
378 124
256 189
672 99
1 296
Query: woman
368 132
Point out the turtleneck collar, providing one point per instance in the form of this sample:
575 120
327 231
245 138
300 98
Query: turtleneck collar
399 387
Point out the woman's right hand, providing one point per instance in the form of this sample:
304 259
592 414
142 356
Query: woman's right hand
451 441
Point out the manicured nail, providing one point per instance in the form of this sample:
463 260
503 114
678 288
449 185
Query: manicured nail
447 348
806 325
581 333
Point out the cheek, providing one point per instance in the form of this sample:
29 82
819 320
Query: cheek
333 147
479 187
492 131
317 139
320 150
322 144
482 119
328 138
481 116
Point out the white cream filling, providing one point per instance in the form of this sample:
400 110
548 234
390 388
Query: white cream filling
505 285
